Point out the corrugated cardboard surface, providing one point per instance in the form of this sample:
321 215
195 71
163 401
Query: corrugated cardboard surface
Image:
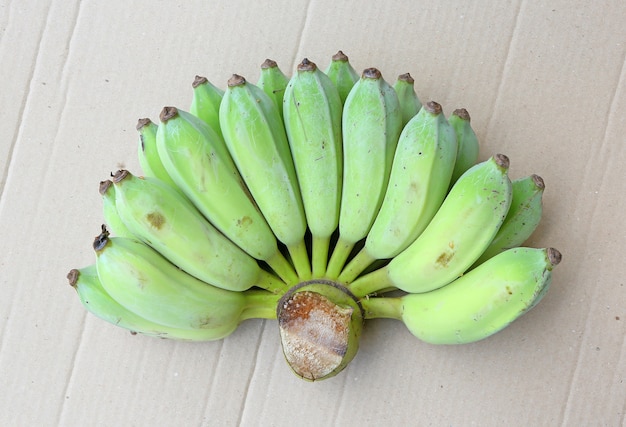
545 84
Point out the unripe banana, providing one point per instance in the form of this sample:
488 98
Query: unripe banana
149 159
467 154
111 216
312 116
371 123
145 283
205 103
418 184
342 74
159 216
255 136
409 102
521 220
273 82
458 234
476 305
200 164
99 303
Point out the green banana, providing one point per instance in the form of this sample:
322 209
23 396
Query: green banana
368 150
476 305
342 74
200 164
273 82
162 218
521 220
145 283
410 104
255 136
458 234
111 216
467 154
312 116
418 184
205 103
99 303
149 159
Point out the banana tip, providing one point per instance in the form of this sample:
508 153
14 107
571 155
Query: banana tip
236 80
199 80
554 256
72 277
143 122
538 181
120 175
433 107
406 77
307 65
104 186
268 63
502 161
340 56
462 114
371 73
101 239
168 113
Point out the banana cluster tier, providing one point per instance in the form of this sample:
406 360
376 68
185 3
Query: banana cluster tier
320 200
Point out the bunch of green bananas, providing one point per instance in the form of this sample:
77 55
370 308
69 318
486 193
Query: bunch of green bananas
307 199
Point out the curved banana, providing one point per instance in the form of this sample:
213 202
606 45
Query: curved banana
165 220
467 155
521 220
476 305
368 150
200 164
273 82
312 116
99 303
410 104
149 159
142 281
205 103
458 234
342 74
111 216
418 183
255 136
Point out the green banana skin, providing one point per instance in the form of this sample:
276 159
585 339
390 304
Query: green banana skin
256 139
159 216
273 82
409 101
476 305
458 234
312 116
368 150
467 154
418 184
99 303
111 216
199 162
149 159
205 103
342 74
144 282
521 220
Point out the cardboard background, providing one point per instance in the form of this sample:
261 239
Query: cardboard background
544 83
